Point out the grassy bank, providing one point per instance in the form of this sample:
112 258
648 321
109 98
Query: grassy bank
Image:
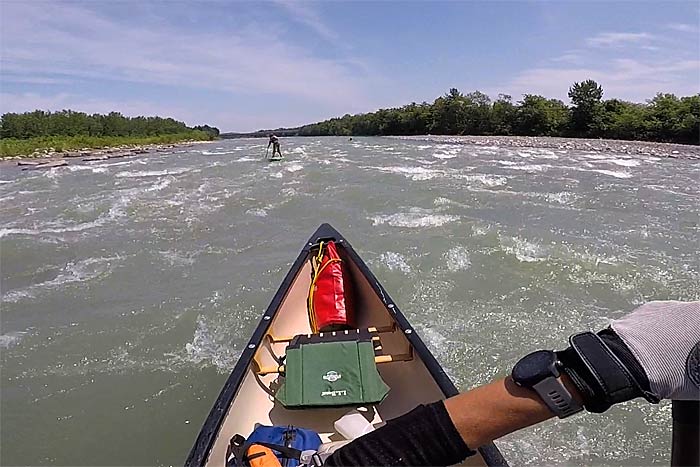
37 146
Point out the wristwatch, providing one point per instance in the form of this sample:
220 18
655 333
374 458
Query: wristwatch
540 371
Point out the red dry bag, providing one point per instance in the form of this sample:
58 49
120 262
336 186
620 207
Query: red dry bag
330 302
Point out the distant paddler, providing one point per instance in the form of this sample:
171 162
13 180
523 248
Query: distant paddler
275 142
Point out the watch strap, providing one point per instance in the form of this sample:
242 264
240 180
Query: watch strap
555 395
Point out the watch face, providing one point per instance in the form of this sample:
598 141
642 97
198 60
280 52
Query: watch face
535 367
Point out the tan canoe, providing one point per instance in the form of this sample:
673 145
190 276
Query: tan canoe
246 398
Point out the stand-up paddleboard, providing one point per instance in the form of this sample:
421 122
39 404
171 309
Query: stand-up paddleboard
274 159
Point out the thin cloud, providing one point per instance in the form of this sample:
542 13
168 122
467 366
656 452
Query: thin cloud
613 39
681 27
305 14
569 57
627 79
45 40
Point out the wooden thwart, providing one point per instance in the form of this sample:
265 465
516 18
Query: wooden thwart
268 370
372 330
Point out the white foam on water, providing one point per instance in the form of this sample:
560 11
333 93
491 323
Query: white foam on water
175 258
73 272
206 348
611 173
117 210
509 163
440 201
294 168
478 229
257 212
524 250
457 258
414 173
395 262
563 197
93 168
5 182
447 152
152 173
423 146
276 175
246 159
444 156
11 339
116 164
300 150
437 341
216 153
155 187
486 179
595 156
414 218
529 167
621 162
538 154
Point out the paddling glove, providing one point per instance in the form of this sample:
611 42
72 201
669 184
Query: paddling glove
653 352
424 436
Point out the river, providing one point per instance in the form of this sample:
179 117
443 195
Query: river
129 286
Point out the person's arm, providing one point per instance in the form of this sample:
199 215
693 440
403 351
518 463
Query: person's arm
488 412
653 352
441 433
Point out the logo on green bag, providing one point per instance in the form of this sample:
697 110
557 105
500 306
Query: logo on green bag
342 392
332 376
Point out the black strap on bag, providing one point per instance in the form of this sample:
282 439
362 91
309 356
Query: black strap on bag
235 453
238 446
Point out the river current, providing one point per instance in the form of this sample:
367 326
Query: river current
129 286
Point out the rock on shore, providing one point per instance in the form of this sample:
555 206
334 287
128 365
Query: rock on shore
632 148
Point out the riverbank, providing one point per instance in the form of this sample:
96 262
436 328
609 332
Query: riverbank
47 146
632 148
49 158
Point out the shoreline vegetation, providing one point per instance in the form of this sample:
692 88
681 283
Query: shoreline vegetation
665 118
68 133
73 146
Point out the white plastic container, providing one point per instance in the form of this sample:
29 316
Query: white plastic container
353 425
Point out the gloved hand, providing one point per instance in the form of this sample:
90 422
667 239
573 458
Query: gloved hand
424 436
653 352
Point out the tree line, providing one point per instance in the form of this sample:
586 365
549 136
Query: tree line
664 118
71 123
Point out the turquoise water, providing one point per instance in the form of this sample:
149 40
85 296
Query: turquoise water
129 286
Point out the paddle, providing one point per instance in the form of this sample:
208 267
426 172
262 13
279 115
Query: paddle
267 150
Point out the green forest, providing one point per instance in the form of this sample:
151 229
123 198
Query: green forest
664 118
25 133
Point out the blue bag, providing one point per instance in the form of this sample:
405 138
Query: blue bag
288 436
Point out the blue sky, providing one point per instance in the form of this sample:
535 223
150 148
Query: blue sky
248 65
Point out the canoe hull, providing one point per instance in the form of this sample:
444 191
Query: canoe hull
422 380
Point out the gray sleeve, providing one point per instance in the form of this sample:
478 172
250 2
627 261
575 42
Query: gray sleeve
665 338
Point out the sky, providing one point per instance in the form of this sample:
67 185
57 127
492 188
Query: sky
244 66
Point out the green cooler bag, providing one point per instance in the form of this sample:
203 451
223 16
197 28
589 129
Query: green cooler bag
331 371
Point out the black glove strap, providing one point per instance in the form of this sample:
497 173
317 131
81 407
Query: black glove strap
599 374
